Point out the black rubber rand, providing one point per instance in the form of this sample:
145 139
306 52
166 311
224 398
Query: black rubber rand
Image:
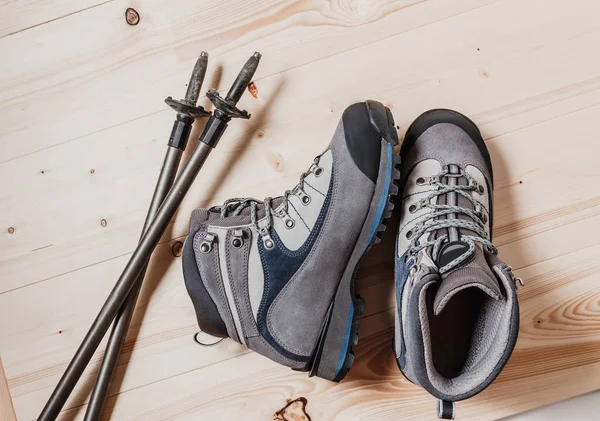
440 115
365 123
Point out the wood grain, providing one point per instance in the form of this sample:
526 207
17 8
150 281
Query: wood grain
7 412
82 134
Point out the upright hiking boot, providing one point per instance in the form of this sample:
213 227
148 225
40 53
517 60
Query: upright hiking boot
457 316
278 275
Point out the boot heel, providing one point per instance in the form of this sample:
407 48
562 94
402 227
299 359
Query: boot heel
334 355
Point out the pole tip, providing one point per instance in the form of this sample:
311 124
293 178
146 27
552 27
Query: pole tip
257 55
204 54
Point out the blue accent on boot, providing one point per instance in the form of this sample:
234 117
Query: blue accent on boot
384 194
346 340
380 208
279 266
402 268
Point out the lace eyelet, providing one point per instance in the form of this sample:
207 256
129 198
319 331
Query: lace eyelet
267 239
412 208
420 181
315 169
480 189
484 218
238 238
409 234
207 244
289 223
304 198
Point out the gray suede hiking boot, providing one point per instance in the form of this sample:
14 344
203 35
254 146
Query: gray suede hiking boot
278 275
457 316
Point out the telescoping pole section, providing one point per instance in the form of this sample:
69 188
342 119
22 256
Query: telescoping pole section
187 111
225 110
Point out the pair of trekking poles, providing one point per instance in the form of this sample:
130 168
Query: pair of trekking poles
168 195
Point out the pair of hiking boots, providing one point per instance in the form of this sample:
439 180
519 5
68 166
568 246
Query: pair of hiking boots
278 275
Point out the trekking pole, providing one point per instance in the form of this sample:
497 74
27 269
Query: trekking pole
225 110
187 111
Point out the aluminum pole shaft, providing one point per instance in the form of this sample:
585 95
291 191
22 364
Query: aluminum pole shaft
178 141
208 139
125 283
123 319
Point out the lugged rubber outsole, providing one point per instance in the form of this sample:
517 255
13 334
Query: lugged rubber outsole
359 302
345 353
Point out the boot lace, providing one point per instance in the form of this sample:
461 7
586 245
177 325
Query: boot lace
432 222
234 206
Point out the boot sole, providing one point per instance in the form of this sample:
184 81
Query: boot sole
334 354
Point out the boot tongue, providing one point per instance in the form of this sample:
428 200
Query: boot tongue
473 273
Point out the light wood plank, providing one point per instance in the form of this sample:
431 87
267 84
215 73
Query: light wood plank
375 390
21 15
526 78
284 141
7 412
168 335
117 72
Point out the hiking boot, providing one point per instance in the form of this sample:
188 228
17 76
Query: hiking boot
457 316
278 275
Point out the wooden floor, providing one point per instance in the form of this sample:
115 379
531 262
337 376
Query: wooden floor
83 130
